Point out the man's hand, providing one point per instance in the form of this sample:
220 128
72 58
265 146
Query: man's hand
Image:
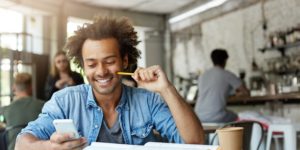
57 142
152 78
66 142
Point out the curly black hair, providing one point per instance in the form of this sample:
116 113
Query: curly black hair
102 28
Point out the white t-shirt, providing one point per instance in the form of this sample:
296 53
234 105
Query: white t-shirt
215 85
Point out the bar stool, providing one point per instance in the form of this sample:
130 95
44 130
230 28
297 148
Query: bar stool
289 132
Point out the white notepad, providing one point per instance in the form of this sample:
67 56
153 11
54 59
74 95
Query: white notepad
151 146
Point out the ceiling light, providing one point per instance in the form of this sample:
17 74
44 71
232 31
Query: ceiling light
199 9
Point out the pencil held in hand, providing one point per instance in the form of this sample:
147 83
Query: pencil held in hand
125 73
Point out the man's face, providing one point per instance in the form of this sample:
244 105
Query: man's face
102 60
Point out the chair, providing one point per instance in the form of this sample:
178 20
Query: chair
249 141
3 145
289 132
4 133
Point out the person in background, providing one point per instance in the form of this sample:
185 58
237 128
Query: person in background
23 109
215 85
105 110
61 75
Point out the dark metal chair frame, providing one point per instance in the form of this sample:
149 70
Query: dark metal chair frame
4 134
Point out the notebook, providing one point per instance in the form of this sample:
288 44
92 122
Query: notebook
151 146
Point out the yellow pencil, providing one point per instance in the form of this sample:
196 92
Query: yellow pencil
125 73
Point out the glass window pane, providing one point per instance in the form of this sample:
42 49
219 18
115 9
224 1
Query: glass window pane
13 24
10 39
13 21
5 77
4 100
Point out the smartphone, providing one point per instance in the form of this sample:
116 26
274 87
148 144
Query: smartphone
66 126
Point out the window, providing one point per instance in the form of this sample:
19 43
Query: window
9 40
13 24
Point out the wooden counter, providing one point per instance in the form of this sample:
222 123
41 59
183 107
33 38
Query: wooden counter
285 97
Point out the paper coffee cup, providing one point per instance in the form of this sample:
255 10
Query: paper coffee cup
231 138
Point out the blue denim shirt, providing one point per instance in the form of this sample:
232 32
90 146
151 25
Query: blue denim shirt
140 111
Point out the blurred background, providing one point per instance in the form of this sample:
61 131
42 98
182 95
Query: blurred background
262 38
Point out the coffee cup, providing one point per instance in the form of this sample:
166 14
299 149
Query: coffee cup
231 138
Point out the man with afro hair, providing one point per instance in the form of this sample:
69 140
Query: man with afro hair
105 110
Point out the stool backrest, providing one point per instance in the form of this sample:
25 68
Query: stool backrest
3 144
4 135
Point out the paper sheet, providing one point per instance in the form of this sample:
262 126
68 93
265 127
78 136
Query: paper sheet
150 146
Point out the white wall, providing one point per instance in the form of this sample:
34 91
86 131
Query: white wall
141 46
154 51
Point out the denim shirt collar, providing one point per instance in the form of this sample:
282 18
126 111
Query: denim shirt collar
90 98
123 105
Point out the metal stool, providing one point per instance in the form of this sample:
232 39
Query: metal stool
289 132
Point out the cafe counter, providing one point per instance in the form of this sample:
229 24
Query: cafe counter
293 97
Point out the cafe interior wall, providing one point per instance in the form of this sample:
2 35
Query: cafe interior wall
241 33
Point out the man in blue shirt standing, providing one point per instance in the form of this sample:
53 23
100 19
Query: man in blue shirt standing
106 110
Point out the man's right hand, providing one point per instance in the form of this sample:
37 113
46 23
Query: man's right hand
57 142
66 142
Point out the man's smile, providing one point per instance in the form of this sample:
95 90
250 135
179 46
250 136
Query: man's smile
104 81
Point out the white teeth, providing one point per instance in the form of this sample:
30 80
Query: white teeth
103 80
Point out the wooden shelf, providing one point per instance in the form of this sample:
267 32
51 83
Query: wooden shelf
293 97
281 48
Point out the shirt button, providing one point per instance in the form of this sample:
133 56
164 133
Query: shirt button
96 126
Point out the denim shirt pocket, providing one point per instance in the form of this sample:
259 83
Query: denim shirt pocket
143 134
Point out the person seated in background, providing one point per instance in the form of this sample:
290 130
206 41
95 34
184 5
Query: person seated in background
61 75
215 85
23 109
105 110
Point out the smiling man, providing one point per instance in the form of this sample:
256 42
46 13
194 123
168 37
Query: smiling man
105 110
